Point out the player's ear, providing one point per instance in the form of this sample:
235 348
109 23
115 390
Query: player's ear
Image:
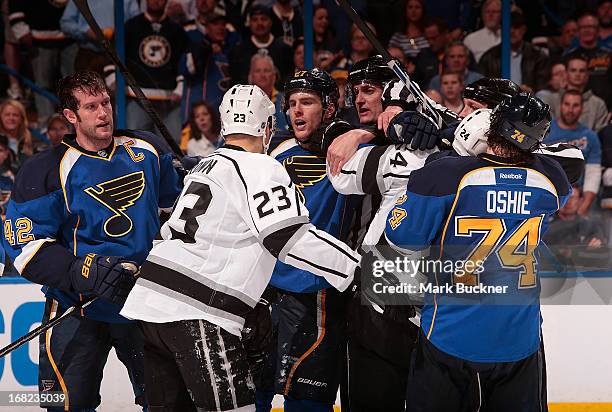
70 116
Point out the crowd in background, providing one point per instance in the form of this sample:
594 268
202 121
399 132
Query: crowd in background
186 53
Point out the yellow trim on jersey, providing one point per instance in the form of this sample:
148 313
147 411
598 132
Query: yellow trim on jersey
460 186
108 159
54 305
61 174
74 248
278 150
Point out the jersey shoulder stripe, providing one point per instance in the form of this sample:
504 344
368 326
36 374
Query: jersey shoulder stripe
283 147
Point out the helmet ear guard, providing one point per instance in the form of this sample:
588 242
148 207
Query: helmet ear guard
471 134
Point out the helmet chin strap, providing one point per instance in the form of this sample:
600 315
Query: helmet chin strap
310 143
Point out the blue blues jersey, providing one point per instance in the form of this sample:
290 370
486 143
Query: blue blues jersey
329 210
491 214
68 202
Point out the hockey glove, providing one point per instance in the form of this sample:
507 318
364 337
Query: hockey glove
415 129
108 277
335 129
257 331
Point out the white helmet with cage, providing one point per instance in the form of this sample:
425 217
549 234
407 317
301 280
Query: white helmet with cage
246 109
470 135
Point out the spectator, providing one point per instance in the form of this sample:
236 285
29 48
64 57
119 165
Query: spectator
429 61
605 137
604 14
206 65
434 95
263 73
556 83
287 21
324 36
361 48
204 130
599 59
557 46
36 26
482 40
567 128
594 113
574 237
298 55
454 12
528 63
412 40
7 174
398 54
11 54
260 25
457 61
57 127
14 125
89 55
154 45
451 90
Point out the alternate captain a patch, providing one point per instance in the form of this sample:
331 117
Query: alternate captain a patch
118 195
305 171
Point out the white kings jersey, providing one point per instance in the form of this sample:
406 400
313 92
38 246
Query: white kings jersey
237 214
379 170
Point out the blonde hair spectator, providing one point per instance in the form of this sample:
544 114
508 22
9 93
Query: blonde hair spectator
14 124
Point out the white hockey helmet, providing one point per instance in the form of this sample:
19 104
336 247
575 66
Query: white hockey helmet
470 135
246 109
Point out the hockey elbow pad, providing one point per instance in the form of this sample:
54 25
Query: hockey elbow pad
108 277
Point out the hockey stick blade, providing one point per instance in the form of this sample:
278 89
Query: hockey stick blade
142 100
440 117
43 328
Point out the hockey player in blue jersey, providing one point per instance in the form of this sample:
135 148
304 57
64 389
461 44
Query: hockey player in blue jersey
74 210
311 331
480 351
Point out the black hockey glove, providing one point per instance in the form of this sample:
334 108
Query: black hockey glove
257 331
335 129
415 129
108 277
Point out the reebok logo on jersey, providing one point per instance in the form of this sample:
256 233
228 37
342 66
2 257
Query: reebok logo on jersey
510 176
117 195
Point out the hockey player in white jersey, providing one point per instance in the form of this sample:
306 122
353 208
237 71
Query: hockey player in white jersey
238 214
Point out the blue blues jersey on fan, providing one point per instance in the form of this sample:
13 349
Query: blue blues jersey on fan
480 209
329 210
68 202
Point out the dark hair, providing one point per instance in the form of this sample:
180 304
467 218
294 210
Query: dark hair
88 82
436 21
572 93
581 57
502 147
214 116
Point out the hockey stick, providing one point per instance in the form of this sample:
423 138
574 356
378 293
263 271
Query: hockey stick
43 328
140 96
440 116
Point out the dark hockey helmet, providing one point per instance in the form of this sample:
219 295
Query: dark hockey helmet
491 92
523 120
315 80
373 70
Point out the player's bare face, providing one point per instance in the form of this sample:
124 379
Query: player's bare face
95 117
470 106
368 102
305 111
